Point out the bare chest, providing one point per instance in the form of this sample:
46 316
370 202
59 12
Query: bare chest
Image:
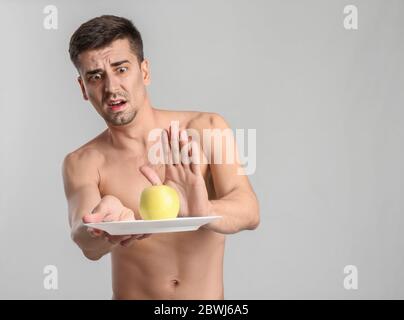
120 177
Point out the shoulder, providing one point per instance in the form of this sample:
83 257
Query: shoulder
195 119
207 120
84 161
82 156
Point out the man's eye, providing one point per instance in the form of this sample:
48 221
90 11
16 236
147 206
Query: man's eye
122 69
95 77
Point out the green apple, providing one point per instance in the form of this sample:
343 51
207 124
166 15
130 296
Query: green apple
159 202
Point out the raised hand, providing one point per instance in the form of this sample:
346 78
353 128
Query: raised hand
182 172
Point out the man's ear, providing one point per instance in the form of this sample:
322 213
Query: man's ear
83 89
145 68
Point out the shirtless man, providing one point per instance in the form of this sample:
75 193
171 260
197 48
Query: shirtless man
104 178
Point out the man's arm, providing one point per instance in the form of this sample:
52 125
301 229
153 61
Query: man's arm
237 202
81 178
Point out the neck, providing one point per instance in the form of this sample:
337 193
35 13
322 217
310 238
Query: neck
130 135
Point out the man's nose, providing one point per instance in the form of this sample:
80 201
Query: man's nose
111 84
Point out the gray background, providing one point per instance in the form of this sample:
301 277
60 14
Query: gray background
326 103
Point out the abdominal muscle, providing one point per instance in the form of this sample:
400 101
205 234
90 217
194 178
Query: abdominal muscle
183 265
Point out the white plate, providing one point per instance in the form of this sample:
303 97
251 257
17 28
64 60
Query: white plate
152 226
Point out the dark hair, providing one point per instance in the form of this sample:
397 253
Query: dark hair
100 32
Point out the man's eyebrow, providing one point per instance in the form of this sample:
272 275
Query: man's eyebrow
90 72
114 64
118 63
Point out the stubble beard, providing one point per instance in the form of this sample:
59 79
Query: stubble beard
120 118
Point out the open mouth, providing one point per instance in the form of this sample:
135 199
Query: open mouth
115 105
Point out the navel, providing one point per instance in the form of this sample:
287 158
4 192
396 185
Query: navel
175 282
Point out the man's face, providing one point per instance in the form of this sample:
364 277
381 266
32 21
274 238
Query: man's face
113 81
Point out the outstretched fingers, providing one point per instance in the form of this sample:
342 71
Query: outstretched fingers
184 147
175 144
166 148
151 175
195 158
